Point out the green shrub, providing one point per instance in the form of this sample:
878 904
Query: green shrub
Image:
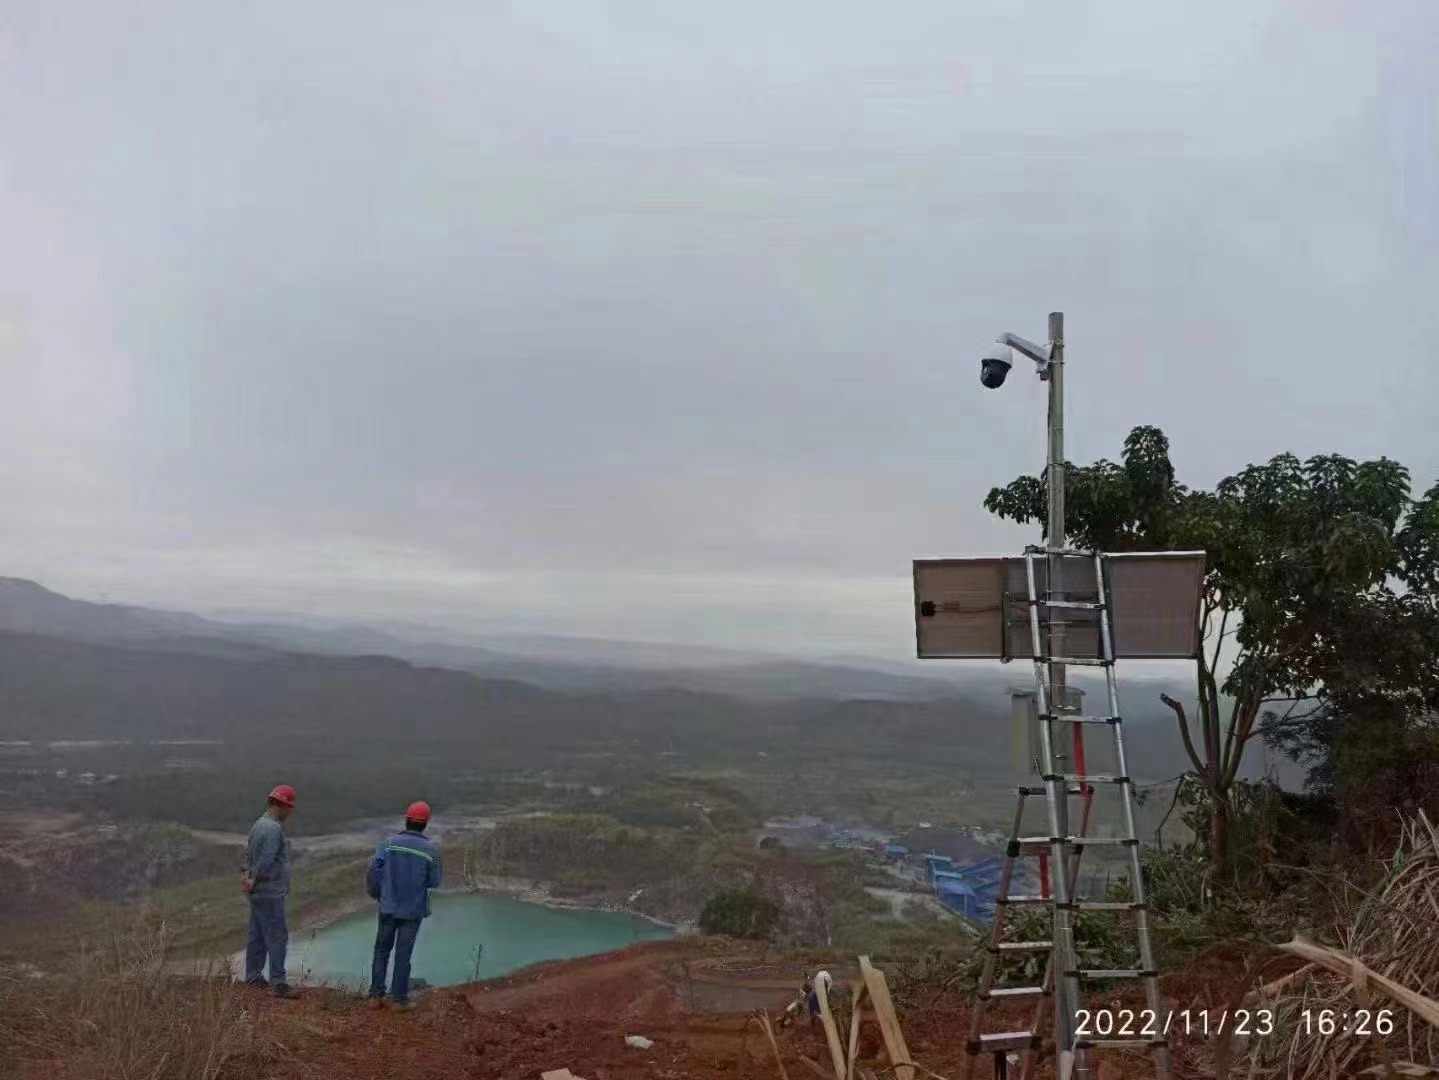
739 913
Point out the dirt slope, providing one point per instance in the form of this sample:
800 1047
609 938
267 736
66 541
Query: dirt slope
692 998
692 1001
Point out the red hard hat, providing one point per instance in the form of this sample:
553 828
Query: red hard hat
418 811
283 794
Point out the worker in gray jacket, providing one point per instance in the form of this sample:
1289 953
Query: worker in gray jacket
266 881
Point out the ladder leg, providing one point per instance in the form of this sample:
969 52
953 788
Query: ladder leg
1136 867
1031 1059
1065 986
1063 974
1062 955
1030 1062
996 934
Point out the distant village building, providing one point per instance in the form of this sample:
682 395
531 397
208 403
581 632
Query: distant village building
957 844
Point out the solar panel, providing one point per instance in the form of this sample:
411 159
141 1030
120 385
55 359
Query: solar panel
978 609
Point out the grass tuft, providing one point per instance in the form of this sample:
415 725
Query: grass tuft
118 1012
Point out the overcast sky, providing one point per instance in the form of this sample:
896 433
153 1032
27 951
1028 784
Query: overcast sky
661 320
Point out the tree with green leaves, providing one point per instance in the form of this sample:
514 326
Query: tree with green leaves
1302 556
739 913
1371 744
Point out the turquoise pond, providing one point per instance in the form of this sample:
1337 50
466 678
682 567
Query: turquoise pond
515 934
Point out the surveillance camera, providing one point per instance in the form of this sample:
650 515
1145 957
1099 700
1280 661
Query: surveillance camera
995 366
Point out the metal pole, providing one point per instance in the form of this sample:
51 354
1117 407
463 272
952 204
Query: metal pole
1065 989
1054 476
1056 431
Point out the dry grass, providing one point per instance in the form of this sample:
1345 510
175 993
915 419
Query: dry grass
119 1013
1387 959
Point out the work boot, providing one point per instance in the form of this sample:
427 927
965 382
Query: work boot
286 992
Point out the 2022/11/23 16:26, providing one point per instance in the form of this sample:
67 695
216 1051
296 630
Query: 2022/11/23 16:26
1359 1022
1128 1023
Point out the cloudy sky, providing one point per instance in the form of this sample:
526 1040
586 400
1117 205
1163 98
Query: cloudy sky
660 320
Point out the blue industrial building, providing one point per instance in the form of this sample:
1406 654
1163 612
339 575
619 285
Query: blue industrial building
969 890
958 895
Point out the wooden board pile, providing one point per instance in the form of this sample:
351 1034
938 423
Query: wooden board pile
870 1001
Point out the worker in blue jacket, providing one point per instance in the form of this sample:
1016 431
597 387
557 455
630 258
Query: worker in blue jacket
402 873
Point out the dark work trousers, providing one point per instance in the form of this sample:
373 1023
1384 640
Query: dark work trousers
268 937
399 935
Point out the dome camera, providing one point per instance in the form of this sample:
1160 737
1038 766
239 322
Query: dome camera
995 366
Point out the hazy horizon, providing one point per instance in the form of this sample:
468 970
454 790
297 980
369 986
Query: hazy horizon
662 323
634 654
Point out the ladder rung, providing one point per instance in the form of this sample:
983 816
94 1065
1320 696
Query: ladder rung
1043 791
1015 991
1107 905
1037 550
1072 661
1004 1040
1070 605
1022 946
1027 899
1086 841
1111 973
1095 778
1068 719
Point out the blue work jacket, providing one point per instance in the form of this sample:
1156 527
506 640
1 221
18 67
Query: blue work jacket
402 873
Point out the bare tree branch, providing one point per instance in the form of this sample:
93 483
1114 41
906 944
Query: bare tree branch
1229 760
1318 708
1209 714
1184 734
1246 728
1219 642
1290 711
1159 829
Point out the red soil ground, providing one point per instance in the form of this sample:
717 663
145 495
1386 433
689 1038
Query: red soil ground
695 1005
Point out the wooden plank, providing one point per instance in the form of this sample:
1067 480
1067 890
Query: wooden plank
894 1043
768 1030
831 1032
857 1002
558 1074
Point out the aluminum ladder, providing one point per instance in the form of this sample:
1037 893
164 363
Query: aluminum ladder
1063 851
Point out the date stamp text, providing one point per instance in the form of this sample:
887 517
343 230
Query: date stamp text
1148 1024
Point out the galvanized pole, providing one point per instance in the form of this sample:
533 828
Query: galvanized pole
1065 989
1054 475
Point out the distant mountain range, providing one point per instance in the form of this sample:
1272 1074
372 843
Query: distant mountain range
27 607
567 663
71 669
